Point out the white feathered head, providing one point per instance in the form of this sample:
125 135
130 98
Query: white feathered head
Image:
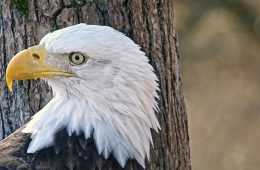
103 87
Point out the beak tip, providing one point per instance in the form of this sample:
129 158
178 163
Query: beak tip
9 83
10 89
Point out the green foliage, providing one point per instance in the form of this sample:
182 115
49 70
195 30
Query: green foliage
21 5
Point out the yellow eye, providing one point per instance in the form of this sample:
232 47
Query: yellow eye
77 58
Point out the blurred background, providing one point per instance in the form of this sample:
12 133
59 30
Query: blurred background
219 44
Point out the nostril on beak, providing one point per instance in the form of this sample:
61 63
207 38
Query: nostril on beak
36 57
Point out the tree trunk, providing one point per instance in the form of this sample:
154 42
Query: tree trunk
150 23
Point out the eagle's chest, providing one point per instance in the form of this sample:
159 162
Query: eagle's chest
76 153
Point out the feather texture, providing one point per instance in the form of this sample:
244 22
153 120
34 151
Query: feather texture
67 153
112 98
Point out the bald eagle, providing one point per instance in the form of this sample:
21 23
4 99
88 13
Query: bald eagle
104 104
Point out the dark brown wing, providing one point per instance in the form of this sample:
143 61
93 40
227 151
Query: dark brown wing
68 153
13 151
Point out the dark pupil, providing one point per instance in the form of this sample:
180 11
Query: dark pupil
76 57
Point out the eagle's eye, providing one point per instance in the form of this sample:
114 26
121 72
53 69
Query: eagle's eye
76 58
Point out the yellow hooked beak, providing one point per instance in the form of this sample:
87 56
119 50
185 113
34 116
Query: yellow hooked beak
29 64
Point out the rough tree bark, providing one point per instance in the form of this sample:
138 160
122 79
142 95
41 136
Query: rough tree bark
150 23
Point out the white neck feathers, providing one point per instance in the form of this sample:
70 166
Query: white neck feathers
112 98
121 129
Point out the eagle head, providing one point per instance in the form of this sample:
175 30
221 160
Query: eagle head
103 87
